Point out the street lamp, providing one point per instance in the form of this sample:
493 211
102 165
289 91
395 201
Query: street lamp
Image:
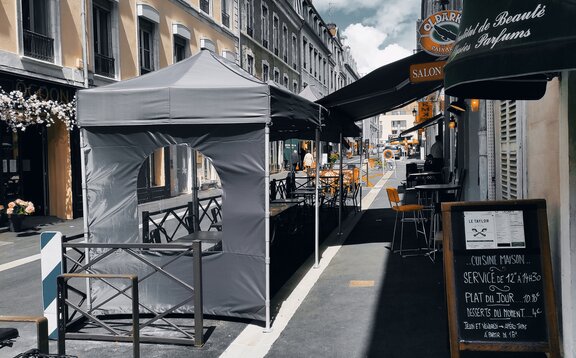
415 113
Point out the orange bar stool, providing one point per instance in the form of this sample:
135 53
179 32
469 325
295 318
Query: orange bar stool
417 218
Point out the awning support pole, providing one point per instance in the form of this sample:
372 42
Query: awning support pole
340 187
83 150
316 203
360 177
196 211
267 222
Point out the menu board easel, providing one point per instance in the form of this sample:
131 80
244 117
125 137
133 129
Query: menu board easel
498 277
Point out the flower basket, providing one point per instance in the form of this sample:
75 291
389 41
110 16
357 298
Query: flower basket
15 222
16 211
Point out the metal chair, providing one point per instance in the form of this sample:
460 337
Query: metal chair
417 218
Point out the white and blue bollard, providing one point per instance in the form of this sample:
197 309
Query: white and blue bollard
51 262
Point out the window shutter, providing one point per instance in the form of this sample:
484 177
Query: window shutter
510 151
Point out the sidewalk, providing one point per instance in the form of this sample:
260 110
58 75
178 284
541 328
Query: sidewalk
363 301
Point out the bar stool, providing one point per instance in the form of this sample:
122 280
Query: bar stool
417 218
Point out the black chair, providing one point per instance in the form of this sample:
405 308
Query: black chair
354 191
7 336
411 168
155 235
273 189
216 219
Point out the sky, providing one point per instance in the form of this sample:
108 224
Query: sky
377 31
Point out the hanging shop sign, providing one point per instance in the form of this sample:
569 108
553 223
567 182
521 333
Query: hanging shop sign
438 33
425 111
424 72
509 49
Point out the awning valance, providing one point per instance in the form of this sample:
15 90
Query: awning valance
380 91
423 124
507 49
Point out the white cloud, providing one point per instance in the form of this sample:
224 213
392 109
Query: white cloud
365 45
387 31
344 5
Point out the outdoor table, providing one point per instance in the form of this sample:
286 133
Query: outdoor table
204 236
306 193
435 189
276 211
213 238
422 176
288 200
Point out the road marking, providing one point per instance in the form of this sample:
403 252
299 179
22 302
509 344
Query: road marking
361 283
20 262
253 341
5 243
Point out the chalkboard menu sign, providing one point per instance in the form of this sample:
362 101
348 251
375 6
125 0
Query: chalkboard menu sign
498 277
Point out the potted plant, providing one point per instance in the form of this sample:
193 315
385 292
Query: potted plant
16 212
332 158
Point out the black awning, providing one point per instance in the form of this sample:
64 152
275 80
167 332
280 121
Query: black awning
423 124
508 49
380 91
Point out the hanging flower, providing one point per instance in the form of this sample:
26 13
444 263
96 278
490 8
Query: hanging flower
20 207
19 112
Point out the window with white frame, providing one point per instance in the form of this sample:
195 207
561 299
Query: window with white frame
37 32
294 54
304 52
181 42
225 5
295 87
102 38
205 6
249 13
265 72
285 43
146 33
265 26
250 64
276 34
180 45
286 81
276 75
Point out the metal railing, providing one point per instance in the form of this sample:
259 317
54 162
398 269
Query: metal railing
185 219
41 329
38 46
76 308
104 65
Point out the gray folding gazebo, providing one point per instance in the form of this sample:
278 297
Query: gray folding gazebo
215 107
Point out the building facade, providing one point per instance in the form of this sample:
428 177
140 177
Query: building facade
43 53
289 43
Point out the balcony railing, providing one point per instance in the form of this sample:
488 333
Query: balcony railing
225 19
38 46
104 65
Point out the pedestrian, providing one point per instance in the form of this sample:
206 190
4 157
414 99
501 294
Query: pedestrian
295 160
437 153
308 159
437 149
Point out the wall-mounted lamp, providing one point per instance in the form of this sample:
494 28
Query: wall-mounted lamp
474 105
458 107
414 112
452 122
